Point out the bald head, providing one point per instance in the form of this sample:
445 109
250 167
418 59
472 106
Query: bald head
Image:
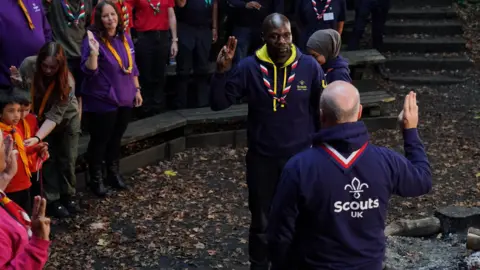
340 103
273 21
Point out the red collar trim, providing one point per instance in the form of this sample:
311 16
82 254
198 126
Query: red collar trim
345 162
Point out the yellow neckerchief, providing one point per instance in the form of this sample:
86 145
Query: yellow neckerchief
262 54
117 57
26 128
27 15
20 146
44 100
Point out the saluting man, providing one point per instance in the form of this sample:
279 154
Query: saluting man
283 88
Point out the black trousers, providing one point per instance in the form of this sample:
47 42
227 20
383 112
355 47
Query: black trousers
263 175
106 131
194 45
75 69
363 8
152 53
23 199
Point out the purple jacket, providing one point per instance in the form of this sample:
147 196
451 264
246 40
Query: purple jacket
17 40
108 87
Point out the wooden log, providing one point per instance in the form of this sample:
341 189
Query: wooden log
414 228
473 239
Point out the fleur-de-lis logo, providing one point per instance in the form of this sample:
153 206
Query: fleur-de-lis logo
356 187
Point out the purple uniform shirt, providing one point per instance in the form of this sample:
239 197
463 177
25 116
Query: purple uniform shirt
108 87
17 40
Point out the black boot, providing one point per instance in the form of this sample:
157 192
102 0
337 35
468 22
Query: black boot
56 209
96 181
114 178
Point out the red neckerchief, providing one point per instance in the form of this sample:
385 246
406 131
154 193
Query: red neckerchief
16 212
320 16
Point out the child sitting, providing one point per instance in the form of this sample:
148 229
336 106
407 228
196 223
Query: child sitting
18 190
324 46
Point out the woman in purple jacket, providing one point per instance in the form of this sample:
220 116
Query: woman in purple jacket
109 92
324 46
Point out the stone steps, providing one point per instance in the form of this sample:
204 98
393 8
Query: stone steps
426 13
433 28
426 79
430 62
421 3
424 44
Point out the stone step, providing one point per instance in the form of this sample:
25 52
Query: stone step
421 3
428 61
425 79
434 28
424 45
425 13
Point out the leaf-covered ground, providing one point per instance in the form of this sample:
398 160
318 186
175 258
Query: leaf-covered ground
191 212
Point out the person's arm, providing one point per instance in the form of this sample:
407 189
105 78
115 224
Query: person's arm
172 21
215 15
282 218
411 174
33 256
180 3
318 84
342 16
227 87
89 61
236 3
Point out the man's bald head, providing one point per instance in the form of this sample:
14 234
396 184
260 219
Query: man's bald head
273 21
340 103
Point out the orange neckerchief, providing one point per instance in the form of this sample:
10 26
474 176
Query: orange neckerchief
44 100
27 15
26 128
20 146
117 57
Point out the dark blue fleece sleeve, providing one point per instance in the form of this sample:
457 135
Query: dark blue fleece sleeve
339 74
412 175
236 3
282 219
226 88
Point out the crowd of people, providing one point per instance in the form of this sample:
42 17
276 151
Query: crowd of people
68 67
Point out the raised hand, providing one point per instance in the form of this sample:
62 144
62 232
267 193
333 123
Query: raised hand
225 57
409 115
253 5
15 76
93 43
40 223
10 163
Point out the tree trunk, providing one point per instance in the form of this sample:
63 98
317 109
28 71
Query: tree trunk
473 239
414 228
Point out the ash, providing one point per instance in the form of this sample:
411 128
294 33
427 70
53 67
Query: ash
447 252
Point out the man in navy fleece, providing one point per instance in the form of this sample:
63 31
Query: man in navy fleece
283 89
330 206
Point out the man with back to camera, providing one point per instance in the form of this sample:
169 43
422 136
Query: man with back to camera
330 206
283 88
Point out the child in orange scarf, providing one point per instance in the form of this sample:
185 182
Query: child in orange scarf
11 123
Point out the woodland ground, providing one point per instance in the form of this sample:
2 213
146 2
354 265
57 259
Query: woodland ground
191 212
